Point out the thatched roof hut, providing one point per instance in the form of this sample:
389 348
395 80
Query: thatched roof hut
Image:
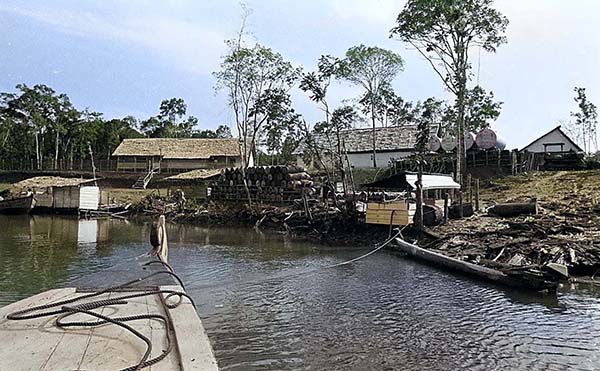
177 154
42 182
178 148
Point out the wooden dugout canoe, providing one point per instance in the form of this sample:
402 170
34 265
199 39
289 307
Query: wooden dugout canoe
45 343
488 274
19 205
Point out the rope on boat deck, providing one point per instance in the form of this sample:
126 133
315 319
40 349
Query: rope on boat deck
68 308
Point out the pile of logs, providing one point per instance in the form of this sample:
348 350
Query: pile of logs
265 183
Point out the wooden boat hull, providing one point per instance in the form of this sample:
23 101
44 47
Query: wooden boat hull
21 205
149 322
471 269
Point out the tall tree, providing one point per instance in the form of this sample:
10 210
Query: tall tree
45 113
281 121
586 121
223 131
170 121
317 84
444 31
373 69
253 78
480 111
246 75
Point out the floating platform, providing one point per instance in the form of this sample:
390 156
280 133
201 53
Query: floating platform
143 325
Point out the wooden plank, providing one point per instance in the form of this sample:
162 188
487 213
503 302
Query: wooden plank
159 339
49 296
194 348
74 342
386 220
28 344
113 347
396 205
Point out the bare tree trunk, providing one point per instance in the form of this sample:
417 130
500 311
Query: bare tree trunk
71 159
37 151
374 143
56 151
461 79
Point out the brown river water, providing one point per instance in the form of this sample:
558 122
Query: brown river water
266 305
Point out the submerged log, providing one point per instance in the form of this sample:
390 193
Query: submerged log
514 209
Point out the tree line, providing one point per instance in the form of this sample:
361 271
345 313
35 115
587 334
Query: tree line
257 81
41 129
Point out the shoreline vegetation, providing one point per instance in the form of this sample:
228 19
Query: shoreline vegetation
565 231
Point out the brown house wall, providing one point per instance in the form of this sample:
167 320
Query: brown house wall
143 164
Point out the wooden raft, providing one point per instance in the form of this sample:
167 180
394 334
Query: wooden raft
38 344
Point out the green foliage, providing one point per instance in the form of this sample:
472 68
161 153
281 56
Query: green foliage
585 124
171 121
257 81
282 123
223 131
480 111
370 66
41 129
443 31
317 83
373 69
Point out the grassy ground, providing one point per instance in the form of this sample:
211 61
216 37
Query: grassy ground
567 189
128 195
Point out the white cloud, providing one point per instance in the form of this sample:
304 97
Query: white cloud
371 11
183 44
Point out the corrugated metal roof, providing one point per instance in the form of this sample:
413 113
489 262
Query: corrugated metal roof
406 181
433 181
392 138
179 148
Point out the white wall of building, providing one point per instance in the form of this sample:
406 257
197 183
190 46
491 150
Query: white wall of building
365 160
551 142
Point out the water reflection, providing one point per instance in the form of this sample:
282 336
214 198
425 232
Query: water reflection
266 305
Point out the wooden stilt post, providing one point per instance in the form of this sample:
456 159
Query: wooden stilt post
477 194
446 207
419 211
460 204
469 189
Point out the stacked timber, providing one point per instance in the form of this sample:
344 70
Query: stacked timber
264 183
395 213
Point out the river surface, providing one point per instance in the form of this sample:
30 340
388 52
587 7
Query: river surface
266 305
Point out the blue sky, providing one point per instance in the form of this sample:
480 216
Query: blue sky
124 57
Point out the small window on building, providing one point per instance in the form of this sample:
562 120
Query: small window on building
553 147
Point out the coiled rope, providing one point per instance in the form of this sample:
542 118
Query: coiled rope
70 307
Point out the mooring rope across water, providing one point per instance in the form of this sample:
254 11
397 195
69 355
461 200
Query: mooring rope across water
304 272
